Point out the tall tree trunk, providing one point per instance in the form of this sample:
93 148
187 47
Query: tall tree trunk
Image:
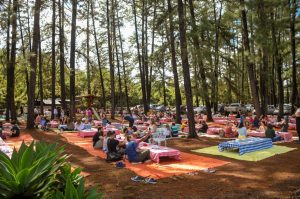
33 63
88 49
72 59
98 57
23 51
174 63
186 70
62 54
28 27
249 63
41 76
53 71
152 53
295 98
278 66
8 92
263 32
11 66
111 64
123 64
216 57
117 55
199 61
142 75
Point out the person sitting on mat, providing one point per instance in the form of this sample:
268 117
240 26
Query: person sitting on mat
78 125
15 130
115 151
133 153
285 124
270 133
98 139
203 128
242 131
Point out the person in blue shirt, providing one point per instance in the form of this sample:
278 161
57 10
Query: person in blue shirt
105 121
130 119
133 153
255 122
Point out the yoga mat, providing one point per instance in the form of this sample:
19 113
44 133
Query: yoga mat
253 156
168 167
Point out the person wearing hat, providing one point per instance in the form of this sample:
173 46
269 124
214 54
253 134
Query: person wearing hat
297 114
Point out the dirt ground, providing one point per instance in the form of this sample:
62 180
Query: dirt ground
274 177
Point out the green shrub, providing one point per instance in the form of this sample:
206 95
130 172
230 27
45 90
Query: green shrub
40 171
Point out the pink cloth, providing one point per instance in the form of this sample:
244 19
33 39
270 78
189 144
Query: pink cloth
213 131
286 136
53 124
138 122
105 130
156 153
292 126
87 133
256 134
220 121
141 127
97 123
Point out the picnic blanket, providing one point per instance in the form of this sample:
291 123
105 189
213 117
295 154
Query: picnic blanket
246 145
167 167
253 156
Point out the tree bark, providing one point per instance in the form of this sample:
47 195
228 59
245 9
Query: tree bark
88 49
174 64
33 64
53 68
295 98
23 51
72 59
123 65
186 70
278 66
111 64
249 63
142 75
8 92
98 57
62 54
11 65
200 62
41 77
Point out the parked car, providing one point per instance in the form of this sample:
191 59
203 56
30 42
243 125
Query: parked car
249 107
287 109
236 107
271 109
183 109
154 106
160 108
200 109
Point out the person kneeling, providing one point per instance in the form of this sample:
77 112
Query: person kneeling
133 153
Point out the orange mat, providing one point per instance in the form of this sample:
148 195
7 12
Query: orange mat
17 141
168 167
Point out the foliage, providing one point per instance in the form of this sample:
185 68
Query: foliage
39 171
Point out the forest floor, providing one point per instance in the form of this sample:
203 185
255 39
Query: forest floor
274 177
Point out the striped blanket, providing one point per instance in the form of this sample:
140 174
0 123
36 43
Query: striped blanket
247 145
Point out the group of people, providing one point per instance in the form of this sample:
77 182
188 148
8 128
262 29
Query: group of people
14 131
127 143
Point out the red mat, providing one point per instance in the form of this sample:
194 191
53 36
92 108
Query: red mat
166 168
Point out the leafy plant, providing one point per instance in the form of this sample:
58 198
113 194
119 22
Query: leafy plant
40 171
30 171
67 173
74 192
